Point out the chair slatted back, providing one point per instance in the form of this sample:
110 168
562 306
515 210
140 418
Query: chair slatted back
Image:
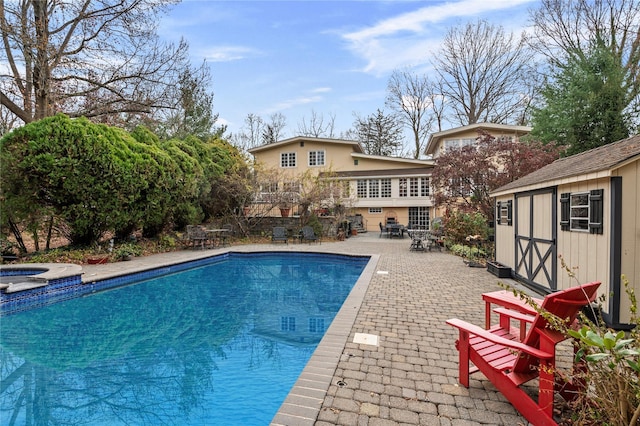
308 233
565 304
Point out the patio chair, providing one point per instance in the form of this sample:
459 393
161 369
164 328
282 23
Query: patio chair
509 362
383 230
199 238
417 243
279 234
309 235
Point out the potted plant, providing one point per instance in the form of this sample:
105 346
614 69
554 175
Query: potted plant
285 211
98 256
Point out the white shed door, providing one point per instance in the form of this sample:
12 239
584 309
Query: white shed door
535 223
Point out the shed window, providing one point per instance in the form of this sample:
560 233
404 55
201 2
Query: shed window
504 213
579 218
582 211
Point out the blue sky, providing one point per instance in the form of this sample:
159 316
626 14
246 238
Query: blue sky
329 57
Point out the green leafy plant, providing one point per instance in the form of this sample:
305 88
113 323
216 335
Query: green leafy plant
612 373
468 252
7 248
127 250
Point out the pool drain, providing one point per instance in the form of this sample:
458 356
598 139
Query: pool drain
341 383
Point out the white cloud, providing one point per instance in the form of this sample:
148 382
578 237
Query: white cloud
408 39
226 53
292 103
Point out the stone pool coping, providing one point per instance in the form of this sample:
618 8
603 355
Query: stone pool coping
16 282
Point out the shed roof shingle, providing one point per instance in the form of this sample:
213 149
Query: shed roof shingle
605 157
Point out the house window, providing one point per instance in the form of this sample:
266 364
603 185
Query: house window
419 217
424 187
316 325
316 158
414 187
362 188
458 143
385 188
582 211
414 184
374 188
287 323
291 187
288 159
504 213
375 210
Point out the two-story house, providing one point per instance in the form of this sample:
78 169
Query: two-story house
374 187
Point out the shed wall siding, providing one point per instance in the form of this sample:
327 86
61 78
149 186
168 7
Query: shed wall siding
505 248
587 255
630 249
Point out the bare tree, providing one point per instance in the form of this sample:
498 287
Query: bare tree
91 58
316 126
565 31
409 95
480 70
251 133
438 105
274 130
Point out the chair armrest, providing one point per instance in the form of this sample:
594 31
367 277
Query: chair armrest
487 335
514 314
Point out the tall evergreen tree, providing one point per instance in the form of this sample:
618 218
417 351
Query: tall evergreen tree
584 103
380 134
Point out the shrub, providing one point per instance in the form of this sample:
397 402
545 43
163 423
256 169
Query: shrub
127 250
459 225
612 373
468 252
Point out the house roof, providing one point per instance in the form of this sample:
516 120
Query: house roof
403 160
355 144
604 158
421 171
434 138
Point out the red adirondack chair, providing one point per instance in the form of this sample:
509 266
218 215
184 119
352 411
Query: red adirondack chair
508 362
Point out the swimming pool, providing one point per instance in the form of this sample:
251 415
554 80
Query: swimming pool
218 344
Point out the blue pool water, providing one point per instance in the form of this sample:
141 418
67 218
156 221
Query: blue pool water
221 344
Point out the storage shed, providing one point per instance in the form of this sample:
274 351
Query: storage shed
583 210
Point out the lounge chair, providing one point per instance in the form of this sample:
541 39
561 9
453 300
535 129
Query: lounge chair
309 235
279 234
509 362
